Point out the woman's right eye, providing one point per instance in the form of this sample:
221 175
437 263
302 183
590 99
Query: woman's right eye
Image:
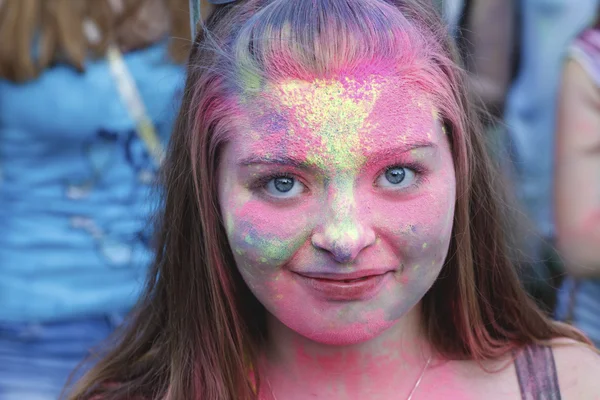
284 187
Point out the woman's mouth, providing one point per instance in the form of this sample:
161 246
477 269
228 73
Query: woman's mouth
344 287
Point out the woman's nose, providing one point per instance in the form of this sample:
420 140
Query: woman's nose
342 232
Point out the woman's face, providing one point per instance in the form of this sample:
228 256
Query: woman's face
338 200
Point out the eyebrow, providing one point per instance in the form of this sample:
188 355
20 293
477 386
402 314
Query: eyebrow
301 164
395 151
279 160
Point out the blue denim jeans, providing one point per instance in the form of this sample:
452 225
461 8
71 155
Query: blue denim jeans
37 358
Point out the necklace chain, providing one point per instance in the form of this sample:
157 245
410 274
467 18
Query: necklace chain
412 392
414 389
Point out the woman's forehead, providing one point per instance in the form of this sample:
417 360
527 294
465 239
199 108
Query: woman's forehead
339 120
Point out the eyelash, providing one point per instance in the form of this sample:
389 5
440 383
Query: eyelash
419 170
263 180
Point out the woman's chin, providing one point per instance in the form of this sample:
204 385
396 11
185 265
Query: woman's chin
343 335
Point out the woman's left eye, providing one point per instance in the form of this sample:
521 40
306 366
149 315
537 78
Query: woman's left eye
284 187
396 177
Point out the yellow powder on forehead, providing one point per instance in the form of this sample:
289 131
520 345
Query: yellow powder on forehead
336 113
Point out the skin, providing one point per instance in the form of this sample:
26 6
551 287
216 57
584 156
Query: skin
344 216
577 173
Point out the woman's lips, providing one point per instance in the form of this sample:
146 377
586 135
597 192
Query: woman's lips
344 287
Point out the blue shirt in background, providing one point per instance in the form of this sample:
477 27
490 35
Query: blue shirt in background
76 188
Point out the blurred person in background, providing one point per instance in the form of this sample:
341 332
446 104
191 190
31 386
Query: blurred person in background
546 29
485 32
488 36
88 92
577 184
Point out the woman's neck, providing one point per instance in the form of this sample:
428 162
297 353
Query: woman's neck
385 367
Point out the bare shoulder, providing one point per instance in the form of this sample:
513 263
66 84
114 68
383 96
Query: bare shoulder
492 379
578 369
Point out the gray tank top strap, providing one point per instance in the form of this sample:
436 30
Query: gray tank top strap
536 372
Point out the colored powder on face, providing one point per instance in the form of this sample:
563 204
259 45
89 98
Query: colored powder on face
336 112
334 127
273 250
343 204
229 223
241 197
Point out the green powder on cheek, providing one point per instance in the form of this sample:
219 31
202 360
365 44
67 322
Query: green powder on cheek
272 250
229 224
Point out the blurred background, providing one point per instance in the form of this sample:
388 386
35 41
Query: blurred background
89 90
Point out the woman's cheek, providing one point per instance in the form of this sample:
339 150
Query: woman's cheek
264 236
420 239
417 230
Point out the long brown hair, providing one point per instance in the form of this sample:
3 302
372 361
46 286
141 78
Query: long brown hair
197 330
34 34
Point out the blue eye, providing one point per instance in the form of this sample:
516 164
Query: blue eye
396 177
284 187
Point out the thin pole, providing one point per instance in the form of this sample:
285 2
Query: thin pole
194 16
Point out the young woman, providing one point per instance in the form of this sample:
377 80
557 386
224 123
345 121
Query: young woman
331 228
87 91
577 187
